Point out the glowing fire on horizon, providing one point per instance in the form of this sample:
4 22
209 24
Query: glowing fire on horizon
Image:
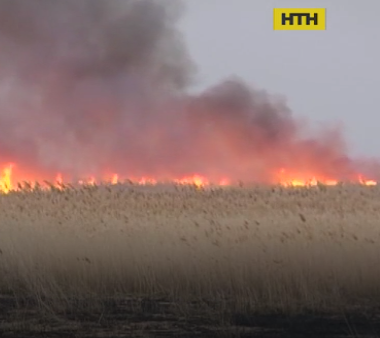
120 108
10 183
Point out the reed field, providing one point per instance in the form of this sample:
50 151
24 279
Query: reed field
254 249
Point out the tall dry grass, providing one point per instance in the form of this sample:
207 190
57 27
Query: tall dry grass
260 248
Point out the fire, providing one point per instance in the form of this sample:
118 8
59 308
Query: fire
305 180
115 179
310 180
59 179
6 179
285 178
366 182
112 121
145 181
196 180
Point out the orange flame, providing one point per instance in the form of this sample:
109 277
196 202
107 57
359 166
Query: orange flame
6 179
305 180
284 178
196 180
366 182
115 179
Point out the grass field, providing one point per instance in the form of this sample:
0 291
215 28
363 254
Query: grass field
234 251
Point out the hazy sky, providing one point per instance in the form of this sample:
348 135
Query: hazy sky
327 76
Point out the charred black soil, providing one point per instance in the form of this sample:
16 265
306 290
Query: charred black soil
140 317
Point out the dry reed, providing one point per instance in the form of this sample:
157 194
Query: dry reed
259 247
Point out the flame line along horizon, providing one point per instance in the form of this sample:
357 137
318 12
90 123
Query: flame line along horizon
8 183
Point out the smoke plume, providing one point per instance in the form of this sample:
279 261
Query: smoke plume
89 87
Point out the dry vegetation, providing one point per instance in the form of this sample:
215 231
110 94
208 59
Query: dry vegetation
253 249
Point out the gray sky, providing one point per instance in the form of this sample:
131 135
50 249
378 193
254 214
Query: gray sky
327 76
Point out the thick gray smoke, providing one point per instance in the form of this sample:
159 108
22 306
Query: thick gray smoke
80 78
97 86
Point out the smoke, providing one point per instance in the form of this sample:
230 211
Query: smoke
96 86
